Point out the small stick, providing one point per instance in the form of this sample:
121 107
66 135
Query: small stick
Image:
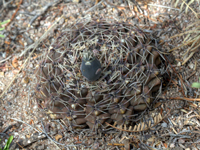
186 99
5 59
26 124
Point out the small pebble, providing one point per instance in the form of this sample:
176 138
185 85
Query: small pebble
164 124
9 103
179 64
172 145
191 65
35 107
4 117
75 1
181 141
28 141
3 54
1 74
15 134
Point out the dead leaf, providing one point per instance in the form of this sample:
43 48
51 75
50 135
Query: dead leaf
35 56
161 111
58 136
76 138
31 122
165 145
15 62
26 80
7 42
21 42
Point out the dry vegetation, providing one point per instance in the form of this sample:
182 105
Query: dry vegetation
173 121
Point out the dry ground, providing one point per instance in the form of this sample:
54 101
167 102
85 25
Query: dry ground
31 20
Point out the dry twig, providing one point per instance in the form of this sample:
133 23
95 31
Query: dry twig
185 98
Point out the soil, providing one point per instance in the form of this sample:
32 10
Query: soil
33 26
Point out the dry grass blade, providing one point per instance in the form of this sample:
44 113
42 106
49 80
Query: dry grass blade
186 99
191 39
190 56
191 33
188 6
183 3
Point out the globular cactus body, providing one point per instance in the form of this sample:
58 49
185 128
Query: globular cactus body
123 73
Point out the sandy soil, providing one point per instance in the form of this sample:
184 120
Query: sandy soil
32 129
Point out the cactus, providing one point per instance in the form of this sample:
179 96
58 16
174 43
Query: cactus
99 72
